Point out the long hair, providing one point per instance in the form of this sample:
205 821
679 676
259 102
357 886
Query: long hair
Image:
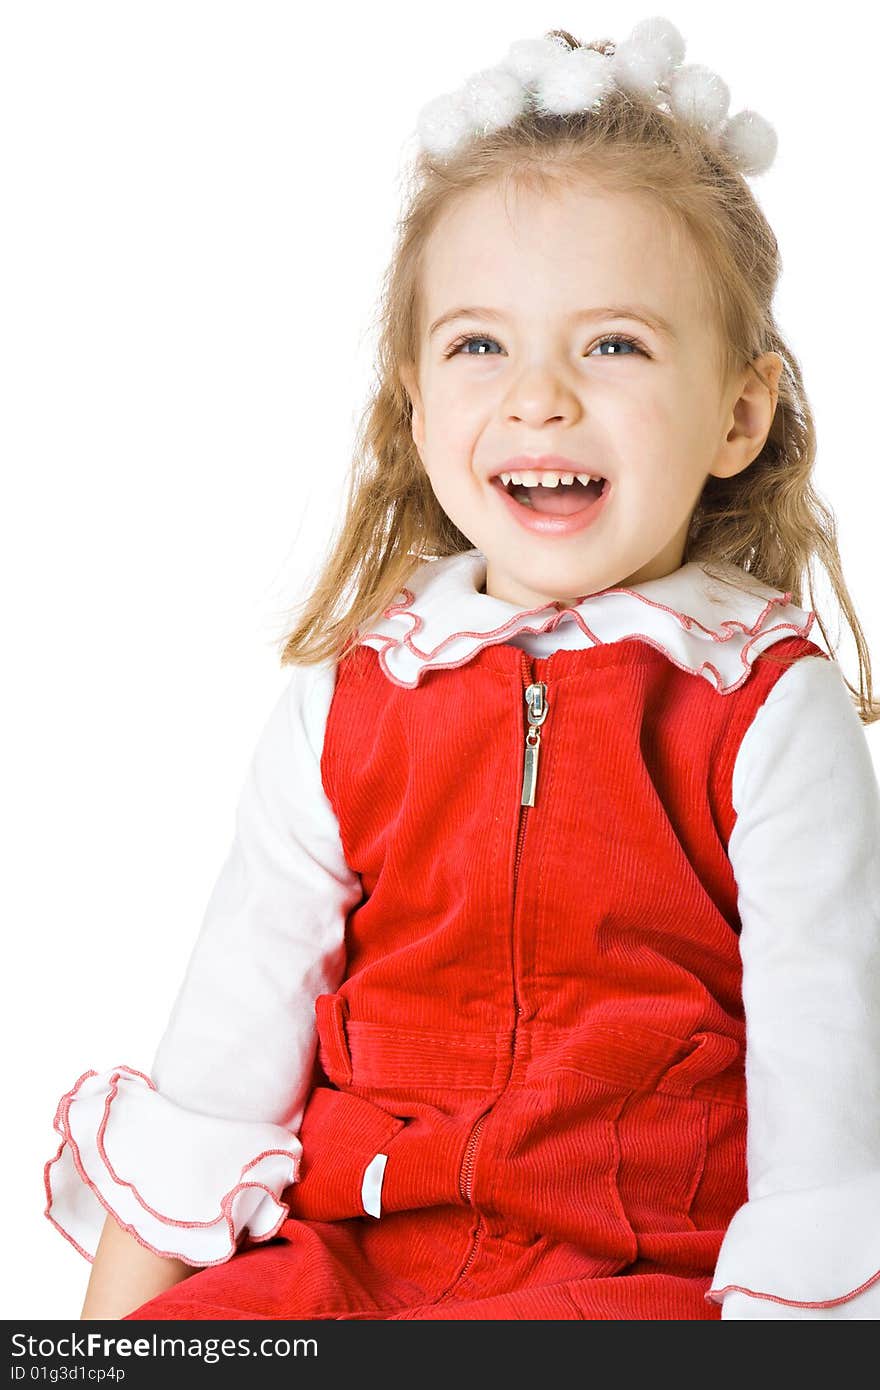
767 519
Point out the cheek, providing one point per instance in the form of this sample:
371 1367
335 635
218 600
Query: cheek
661 441
452 425
650 414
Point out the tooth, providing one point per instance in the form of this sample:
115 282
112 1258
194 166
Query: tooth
505 478
567 477
584 478
531 479
550 480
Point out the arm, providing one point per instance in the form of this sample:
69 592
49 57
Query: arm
191 1157
125 1274
241 1038
805 851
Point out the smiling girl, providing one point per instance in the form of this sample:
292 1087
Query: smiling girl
540 979
594 341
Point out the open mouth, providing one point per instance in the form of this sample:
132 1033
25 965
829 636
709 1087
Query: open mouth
563 499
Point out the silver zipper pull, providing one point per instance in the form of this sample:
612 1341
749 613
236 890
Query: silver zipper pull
536 702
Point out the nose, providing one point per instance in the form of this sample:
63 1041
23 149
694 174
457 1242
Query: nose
540 395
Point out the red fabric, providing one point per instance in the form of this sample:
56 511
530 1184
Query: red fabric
541 1020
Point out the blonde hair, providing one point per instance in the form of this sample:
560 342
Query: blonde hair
768 519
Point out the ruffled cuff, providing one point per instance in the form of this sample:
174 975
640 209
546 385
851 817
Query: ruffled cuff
185 1185
811 1253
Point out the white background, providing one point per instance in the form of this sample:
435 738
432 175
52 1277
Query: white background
198 203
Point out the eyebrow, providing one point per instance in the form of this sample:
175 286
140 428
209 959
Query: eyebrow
649 317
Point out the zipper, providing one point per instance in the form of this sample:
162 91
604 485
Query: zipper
474 1251
466 1176
465 1187
535 696
536 713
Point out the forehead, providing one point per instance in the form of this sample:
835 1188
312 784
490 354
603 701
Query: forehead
534 253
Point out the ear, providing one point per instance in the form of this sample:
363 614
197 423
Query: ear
751 407
410 385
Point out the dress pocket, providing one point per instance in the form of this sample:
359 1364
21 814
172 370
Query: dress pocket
387 1104
682 1141
345 1137
663 1145
345 1141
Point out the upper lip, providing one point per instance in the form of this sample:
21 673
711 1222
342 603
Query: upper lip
542 463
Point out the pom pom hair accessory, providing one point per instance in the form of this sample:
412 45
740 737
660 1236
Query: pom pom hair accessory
549 76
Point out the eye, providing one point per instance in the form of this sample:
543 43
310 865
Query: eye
618 340
464 341
615 340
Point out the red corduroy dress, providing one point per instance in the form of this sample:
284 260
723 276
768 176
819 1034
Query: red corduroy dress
541 1025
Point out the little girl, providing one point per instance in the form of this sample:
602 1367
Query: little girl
540 980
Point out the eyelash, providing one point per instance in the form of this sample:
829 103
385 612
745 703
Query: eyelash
484 338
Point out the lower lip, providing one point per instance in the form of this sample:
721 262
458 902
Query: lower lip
545 525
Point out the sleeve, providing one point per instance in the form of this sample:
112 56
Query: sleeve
805 852
191 1157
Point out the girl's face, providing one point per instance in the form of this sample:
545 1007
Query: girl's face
537 282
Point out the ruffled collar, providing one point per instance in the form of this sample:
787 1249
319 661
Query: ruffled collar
712 627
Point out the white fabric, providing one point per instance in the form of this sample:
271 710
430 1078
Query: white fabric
712 626
807 1246
804 852
242 1034
218 1178
371 1187
232 1070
